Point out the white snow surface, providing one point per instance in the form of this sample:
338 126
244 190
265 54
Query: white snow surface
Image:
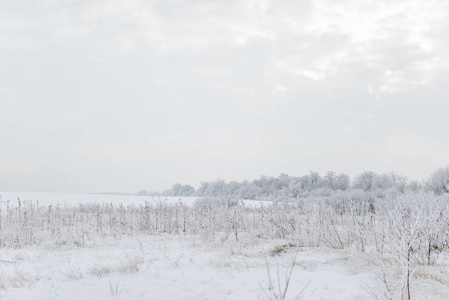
177 267
74 199
165 266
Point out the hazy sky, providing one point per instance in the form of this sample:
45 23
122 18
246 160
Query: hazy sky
124 95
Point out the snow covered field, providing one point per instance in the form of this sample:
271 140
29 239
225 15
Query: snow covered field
74 199
219 250
174 267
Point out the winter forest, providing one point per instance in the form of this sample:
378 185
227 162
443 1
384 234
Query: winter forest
389 238
289 187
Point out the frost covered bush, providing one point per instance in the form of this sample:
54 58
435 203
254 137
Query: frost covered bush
410 228
343 219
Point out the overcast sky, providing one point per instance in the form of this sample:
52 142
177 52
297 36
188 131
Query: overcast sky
124 95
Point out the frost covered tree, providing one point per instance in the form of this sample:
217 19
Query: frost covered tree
342 182
438 181
179 190
399 181
329 180
335 182
382 182
365 181
212 189
311 181
174 190
186 191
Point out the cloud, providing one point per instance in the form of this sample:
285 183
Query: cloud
381 47
98 85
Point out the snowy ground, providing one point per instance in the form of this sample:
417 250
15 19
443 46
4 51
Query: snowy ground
170 266
73 199
177 267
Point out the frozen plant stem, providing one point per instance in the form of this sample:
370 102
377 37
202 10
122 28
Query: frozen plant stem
115 290
279 292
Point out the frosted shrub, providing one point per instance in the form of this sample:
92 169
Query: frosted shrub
354 219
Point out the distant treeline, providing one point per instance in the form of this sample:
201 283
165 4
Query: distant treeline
292 187
286 186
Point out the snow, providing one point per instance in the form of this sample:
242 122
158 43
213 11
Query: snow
177 267
73 199
184 266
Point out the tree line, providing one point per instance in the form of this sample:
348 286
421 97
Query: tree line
293 187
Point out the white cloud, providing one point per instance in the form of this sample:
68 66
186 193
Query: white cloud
158 81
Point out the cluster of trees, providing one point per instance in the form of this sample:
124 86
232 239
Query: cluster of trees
286 186
283 185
